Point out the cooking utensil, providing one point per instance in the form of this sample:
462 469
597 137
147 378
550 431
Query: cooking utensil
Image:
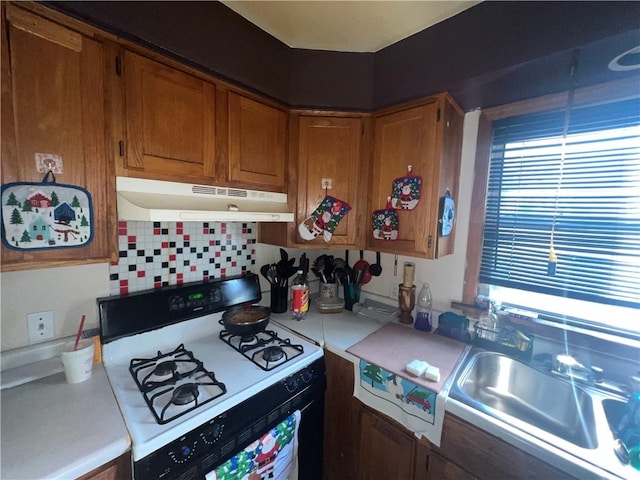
246 319
361 270
376 268
264 271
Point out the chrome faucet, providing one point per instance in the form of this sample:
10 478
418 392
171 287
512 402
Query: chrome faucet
569 367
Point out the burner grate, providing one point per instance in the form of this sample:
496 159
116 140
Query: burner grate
265 349
170 383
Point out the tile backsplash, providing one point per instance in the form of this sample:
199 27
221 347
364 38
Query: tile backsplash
156 254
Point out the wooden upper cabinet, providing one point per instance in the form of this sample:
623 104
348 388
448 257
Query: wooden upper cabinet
257 144
169 122
53 102
426 135
329 151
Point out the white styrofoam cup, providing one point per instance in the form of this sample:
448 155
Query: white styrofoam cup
78 364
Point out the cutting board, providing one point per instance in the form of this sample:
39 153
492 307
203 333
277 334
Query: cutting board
394 346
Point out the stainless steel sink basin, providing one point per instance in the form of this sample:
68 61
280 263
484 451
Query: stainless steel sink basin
509 387
574 420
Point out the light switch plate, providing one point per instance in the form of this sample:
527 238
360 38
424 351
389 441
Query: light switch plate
40 326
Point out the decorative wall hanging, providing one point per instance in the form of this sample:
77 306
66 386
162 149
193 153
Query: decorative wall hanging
46 215
324 219
447 214
385 223
405 194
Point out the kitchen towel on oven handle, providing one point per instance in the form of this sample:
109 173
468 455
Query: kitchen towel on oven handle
274 455
419 409
37 216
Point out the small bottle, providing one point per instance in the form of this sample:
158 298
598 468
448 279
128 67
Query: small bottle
299 296
423 310
489 322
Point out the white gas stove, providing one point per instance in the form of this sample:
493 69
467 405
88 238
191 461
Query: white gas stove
189 392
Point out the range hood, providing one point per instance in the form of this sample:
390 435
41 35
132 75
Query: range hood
160 201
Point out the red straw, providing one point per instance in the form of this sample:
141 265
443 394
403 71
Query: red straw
75 346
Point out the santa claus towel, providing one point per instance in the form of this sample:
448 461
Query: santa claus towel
273 456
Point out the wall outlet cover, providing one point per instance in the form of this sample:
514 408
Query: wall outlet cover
40 326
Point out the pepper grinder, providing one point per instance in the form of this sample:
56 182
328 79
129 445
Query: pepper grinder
407 294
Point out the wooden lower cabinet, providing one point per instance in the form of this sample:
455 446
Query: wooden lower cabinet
488 457
385 450
118 469
360 443
340 420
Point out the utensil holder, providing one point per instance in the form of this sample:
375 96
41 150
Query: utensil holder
328 290
351 295
279 298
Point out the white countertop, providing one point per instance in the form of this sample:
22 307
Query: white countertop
53 429
333 331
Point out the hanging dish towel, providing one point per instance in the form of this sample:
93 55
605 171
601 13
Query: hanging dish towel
273 456
419 409
46 215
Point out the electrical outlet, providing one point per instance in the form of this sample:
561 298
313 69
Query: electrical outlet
40 326
393 291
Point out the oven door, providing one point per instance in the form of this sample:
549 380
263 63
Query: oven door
290 450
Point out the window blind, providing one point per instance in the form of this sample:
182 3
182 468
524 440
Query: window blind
589 198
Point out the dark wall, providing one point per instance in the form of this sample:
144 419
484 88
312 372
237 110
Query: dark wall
206 35
498 52
328 79
490 54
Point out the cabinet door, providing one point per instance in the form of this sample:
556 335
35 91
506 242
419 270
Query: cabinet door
329 151
53 102
257 143
405 138
427 136
170 122
439 468
340 420
495 460
385 450
118 469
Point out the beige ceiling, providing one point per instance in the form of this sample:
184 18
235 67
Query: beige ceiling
345 26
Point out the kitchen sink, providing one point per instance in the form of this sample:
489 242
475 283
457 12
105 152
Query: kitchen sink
509 387
573 419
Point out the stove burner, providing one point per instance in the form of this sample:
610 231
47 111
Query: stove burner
164 369
273 353
265 349
248 340
185 394
174 383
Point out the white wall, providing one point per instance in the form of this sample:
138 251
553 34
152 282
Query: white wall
69 292
72 291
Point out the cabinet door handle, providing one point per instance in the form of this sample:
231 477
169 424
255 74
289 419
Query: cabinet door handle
121 148
426 462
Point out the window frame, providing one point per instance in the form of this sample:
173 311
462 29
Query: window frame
618 90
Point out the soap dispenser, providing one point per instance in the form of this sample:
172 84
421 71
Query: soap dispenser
423 310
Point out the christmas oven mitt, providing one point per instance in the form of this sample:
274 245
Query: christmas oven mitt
406 191
324 219
385 223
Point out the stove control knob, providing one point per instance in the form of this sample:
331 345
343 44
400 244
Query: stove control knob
307 376
212 434
291 383
183 453
176 303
